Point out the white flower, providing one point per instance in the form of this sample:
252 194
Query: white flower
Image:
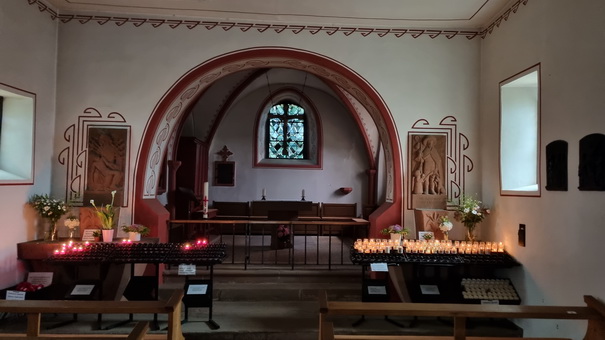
446 226
72 223
466 210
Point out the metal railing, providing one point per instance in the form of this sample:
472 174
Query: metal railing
322 242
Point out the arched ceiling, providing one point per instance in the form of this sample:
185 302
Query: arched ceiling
206 113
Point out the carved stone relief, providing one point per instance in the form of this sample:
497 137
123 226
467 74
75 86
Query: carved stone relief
427 168
437 164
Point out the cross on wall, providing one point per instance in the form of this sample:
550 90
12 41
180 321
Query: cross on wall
224 153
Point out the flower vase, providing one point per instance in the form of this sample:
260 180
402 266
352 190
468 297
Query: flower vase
134 236
72 232
51 234
470 232
445 236
107 235
396 237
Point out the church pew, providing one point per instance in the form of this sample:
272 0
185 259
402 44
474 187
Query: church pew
34 309
594 312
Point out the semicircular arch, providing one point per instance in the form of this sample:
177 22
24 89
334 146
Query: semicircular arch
171 108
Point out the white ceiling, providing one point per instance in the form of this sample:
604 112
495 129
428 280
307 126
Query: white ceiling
437 14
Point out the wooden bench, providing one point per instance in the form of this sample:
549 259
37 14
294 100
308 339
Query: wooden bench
35 308
594 312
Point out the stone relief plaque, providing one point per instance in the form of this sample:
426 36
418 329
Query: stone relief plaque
106 164
427 171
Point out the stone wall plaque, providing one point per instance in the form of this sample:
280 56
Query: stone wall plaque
427 171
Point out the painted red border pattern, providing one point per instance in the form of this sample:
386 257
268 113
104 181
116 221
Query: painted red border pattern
75 156
457 165
278 28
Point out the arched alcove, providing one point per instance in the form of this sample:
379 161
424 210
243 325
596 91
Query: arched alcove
171 108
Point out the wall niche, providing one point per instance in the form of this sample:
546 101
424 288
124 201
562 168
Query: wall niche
556 166
591 169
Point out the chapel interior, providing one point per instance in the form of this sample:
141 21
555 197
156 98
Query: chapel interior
286 165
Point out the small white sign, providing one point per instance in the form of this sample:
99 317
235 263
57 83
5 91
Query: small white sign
15 295
429 289
490 302
379 267
87 235
43 278
82 289
197 289
377 290
187 269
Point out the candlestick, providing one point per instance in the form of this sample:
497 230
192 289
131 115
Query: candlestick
205 201
264 194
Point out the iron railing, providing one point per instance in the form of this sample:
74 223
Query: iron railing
322 242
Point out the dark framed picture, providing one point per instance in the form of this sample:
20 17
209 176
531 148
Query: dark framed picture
224 173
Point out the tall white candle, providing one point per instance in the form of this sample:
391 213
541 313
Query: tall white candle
303 192
205 200
264 192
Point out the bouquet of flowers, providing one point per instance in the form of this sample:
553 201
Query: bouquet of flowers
395 229
470 212
445 224
49 208
72 222
136 228
105 213
283 233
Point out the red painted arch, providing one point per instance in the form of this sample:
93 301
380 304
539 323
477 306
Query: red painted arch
158 128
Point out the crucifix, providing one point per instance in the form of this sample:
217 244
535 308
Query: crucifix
224 171
224 153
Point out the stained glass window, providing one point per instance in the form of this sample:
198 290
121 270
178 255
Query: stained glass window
286 125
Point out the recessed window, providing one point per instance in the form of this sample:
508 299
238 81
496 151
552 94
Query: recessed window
16 136
520 134
286 126
287 132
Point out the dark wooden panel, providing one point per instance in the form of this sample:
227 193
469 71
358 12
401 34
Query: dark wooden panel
231 208
339 209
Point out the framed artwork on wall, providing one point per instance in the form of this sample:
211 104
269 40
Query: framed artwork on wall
108 150
224 173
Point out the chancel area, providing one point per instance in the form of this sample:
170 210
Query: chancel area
352 170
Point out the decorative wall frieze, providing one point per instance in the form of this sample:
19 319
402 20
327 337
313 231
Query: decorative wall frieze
75 156
457 164
277 28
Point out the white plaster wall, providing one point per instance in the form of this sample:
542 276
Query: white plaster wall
127 69
344 157
563 257
28 57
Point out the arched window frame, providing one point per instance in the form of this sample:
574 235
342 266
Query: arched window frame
286 119
312 132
